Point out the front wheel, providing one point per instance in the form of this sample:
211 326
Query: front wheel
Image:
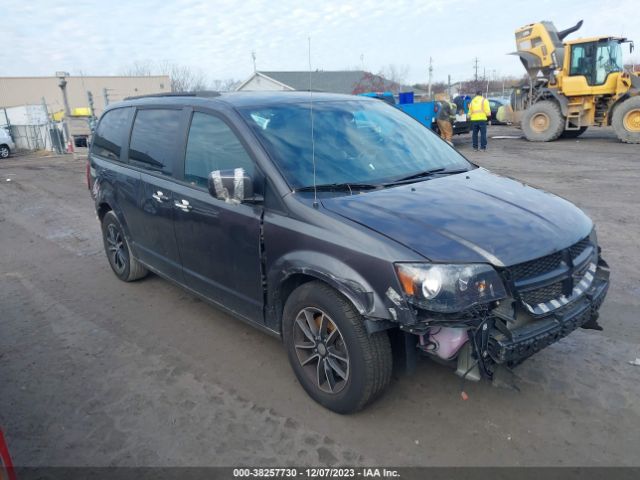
336 361
626 120
543 122
4 151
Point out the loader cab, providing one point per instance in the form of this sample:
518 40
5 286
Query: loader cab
595 60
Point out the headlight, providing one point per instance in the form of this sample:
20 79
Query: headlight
449 288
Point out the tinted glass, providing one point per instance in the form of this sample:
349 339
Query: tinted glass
108 139
355 141
154 137
609 60
212 145
582 60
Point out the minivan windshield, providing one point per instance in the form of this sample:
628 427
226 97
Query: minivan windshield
354 141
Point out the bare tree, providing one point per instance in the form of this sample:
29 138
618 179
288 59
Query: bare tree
224 85
632 64
370 82
183 78
139 69
394 73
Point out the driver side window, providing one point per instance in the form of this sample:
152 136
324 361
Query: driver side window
212 145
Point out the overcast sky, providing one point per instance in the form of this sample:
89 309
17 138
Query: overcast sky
104 37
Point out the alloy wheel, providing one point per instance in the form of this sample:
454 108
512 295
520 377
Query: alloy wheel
321 350
4 152
117 250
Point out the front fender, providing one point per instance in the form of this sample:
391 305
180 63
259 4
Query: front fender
334 272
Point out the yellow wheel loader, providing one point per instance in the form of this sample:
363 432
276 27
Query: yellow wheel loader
574 85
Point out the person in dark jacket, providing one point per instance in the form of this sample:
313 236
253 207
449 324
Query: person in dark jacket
443 119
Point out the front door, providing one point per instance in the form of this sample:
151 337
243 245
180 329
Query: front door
219 242
154 146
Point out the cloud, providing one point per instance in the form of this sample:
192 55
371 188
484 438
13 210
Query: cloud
98 37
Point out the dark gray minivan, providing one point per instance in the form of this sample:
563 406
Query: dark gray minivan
346 228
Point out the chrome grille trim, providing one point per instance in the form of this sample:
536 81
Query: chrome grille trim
578 290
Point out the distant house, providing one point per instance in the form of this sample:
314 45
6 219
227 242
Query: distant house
342 81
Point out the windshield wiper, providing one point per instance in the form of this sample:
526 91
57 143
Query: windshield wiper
424 174
329 187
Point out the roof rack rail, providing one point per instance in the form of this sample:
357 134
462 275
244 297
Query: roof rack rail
204 93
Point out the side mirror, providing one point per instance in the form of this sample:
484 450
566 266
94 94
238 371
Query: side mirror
232 186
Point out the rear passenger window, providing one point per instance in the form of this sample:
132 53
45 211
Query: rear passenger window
212 145
108 139
153 139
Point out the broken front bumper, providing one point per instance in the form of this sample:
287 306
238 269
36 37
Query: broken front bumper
511 347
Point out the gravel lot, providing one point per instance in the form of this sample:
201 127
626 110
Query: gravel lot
96 372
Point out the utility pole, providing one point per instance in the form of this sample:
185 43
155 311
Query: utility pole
475 68
449 86
253 57
362 61
105 95
67 111
430 76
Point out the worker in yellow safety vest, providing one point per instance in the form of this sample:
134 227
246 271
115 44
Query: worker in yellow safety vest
479 112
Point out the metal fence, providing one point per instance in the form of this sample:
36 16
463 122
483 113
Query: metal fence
37 137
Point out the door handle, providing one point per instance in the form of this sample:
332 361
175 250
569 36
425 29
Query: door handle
183 205
160 197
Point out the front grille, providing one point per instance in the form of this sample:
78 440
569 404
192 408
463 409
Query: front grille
542 295
536 267
548 295
577 248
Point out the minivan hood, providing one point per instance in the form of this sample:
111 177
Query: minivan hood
475 216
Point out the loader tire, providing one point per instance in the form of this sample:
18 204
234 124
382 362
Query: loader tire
626 120
543 122
573 133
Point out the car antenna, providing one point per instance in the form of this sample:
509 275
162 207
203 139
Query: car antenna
313 144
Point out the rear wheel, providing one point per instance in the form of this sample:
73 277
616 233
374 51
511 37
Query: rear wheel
118 252
336 361
626 120
573 133
543 122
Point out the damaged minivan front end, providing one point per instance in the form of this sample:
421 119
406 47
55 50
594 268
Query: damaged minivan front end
478 317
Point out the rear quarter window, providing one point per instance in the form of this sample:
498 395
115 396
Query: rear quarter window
111 133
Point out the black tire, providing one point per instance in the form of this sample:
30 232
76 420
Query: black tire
573 133
626 120
369 359
118 252
543 122
5 151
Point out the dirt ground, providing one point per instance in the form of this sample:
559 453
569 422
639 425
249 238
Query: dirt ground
96 372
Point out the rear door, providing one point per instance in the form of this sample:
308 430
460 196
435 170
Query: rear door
156 141
219 242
